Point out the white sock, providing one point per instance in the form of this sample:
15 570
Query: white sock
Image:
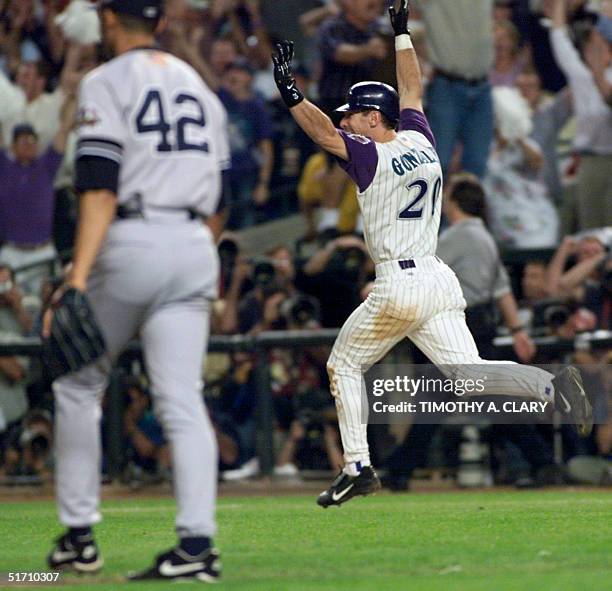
354 468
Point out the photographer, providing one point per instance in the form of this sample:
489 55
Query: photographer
335 275
14 323
304 409
147 448
28 446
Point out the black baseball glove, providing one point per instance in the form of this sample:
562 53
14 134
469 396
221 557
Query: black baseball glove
74 339
399 18
283 74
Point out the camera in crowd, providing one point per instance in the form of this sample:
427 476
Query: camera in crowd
37 433
301 312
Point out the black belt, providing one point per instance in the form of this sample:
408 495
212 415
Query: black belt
406 264
133 213
456 78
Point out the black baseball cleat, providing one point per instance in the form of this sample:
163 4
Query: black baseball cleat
346 487
177 565
81 555
571 399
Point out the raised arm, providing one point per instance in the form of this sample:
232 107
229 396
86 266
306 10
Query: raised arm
409 79
308 116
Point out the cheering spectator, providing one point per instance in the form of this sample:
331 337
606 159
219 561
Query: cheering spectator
518 208
27 199
41 109
459 105
589 252
509 59
593 140
549 116
250 133
350 49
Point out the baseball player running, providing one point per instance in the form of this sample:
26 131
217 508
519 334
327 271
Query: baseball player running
152 144
399 182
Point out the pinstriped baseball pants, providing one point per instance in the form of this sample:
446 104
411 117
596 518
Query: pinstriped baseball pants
426 305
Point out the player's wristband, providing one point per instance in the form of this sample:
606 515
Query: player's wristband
403 42
290 93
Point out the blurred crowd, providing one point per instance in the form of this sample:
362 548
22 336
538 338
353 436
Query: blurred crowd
519 96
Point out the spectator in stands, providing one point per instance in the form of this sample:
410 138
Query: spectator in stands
233 415
535 292
593 138
598 56
223 53
14 323
42 110
30 34
334 275
469 249
292 148
549 116
148 449
27 199
598 297
276 272
534 21
459 105
519 210
317 175
29 446
510 60
589 252
250 133
350 49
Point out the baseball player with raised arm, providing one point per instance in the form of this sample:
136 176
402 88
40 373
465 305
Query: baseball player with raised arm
415 295
152 146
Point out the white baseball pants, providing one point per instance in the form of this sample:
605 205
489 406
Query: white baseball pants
425 304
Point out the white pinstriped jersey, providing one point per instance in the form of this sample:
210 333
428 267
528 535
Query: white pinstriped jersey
399 190
152 114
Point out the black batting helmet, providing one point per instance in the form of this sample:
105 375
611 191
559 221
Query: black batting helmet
372 95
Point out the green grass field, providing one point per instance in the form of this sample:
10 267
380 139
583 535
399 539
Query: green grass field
474 541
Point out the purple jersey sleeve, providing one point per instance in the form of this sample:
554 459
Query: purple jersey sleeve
363 159
413 120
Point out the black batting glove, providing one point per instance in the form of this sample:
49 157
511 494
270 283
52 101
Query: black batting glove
399 18
283 74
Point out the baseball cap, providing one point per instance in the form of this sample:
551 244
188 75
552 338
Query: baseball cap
23 129
148 9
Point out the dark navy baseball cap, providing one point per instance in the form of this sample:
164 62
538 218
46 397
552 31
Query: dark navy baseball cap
148 9
23 129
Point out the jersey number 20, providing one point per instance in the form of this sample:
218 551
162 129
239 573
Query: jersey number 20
152 110
414 211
